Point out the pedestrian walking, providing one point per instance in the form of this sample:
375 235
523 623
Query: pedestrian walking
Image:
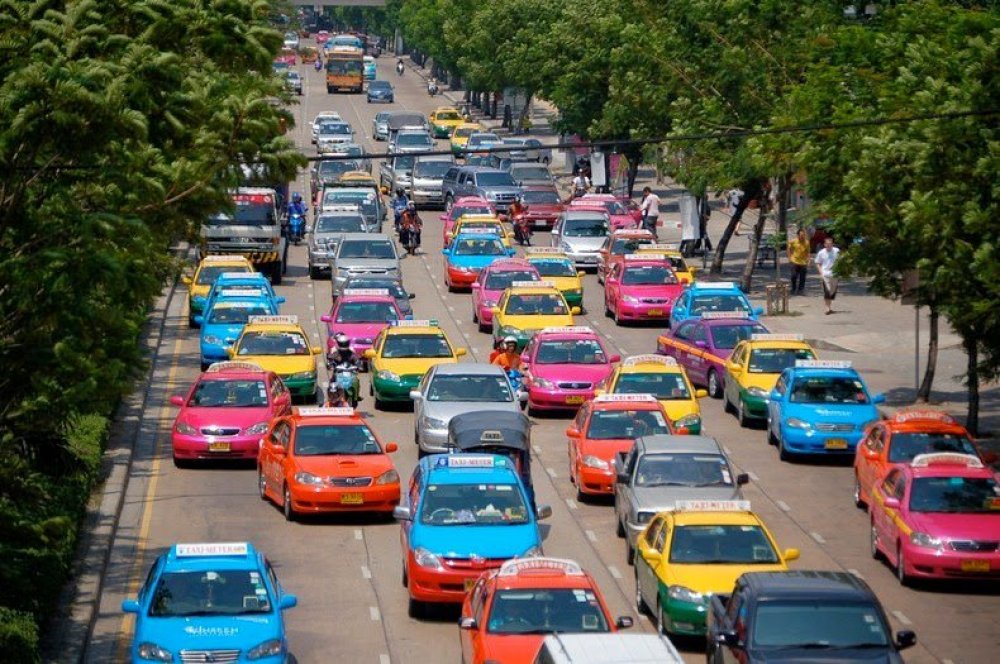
826 259
650 208
798 256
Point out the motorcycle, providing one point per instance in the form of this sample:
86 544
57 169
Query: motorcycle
432 88
296 227
319 64
522 230
345 376
516 379
399 68
398 208
410 240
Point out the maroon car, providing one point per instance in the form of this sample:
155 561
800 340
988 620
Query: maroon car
542 204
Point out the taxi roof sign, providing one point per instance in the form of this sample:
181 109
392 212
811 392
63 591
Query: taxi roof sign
568 329
717 315
491 436
712 506
212 549
625 398
468 461
223 258
649 358
542 251
425 322
645 256
515 566
717 285
323 411
908 415
467 229
381 292
520 262
273 320
256 276
776 337
217 367
532 284
823 364
660 246
240 292
946 459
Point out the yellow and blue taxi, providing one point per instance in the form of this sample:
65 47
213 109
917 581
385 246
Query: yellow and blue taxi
529 306
222 323
279 344
444 121
401 355
704 297
212 599
474 223
698 549
820 407
662 377
554 265
753 369
469 254
205 274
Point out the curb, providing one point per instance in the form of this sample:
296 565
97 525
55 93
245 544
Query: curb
67 636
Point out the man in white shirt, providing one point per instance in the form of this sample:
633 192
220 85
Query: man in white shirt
826 258
581 184
650 209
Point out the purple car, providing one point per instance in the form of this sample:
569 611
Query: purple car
702 345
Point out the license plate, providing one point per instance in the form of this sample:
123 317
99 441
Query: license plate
656 312
219 446
836 444
468 583
352 499
975 566
575 400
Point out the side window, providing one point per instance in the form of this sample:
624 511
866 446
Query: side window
282 433
661 538
479 597
630 461
684 331
738 354
900 487
779 387
653 532
147 585
889 483
451 175
414 493
272 576
878 439
581 417
699 333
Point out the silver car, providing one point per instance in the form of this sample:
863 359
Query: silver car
371 254
581 234
426 178
380 126
447 390
530 173
370 202
407 140
325 235
330 134
321 117
662 469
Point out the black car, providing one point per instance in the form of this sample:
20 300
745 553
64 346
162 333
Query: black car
380 91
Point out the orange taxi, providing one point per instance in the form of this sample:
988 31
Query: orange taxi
604 427
511 610
621 242
320 460
900 438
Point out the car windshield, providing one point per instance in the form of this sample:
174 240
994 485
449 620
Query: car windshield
334 128
531 173
826 624
495 180
555 268
379 85
273 343
343 67
570 351
223 592
431 169
727 336
614 207
543 304
469 388
461 211
626 424
502 279
236 313
465 132
340 223
585 228
903 446
473 504
366 312
292 75
961 495
693 470
209 273
842 390
229 394
394 287
330 169
254 214
776 360
663 386
449 116
628 245
366 249
721 545
721 302
488 247
416 345
327 440
414 139
546 610
649 275
540 198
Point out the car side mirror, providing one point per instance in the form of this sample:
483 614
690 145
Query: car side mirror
475 285
790 554
459 352
758 311
177 400
186 280
326 318
906 639
317 350
281 298
742 478
411 295
624 622
878 398
891 502
199 320
729 638
369 354
494 310
443 217
444 252
231 352
621 478
391 447
543 512
572 432
384 189
576 311
401 513
615 358
775 395
288 602
581 273
511 252
416 394
700 394
701 343
734 367
130 606
467 622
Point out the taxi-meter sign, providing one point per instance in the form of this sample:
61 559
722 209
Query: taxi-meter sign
377 292
712 505
946 459
467 461
823 364
719 315
543 251
414 323
212 549
649 359
241 275
532 284
776 337
568 329
218 367
710 285
273 320
625 398
923 414
320 411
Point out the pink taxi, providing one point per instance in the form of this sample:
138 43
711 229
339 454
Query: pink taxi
465 205
360 313
226 411
641 287
938 517
562 367
492 281
619 215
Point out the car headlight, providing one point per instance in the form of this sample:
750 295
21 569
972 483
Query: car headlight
185 429
574 291
489 304
630 299
308 478
542 382
199 300
388 477
425 558
302 375
757 392
683 594
918 538
565 246
433 423
212 340
645 517
796 423
688 421
491 196
153 652
385 374
533 552
590 461
267 649
260 427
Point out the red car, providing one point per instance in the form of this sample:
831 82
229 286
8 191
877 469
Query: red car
542 205
492 281
617 212
641 287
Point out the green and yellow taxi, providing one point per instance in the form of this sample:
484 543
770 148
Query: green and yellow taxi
752 371
444 121
205 274
662 377
402 353
279 344
685 272
698 549
554 265
529 306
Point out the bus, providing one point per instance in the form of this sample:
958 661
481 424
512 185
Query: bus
344 69
347 40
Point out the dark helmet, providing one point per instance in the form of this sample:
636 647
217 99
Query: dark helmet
400 192
296 197
343 342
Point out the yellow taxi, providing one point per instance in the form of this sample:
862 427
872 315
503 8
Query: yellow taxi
205 274
461 133
279 344
479 222
685 273
444 121
554 265
662 377
753 369
527 307
356 179
698 549
402 353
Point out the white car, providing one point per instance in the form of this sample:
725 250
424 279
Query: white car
291 40
323 116
330 133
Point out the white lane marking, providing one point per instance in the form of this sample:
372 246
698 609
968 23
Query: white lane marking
591 535
609 337
357 534
855 572
312 307
816 536
374 613
753 476
451 308
383 659
783 505
947 661
901 617
725 448
365 572
536 449
614 572
570 503
551 473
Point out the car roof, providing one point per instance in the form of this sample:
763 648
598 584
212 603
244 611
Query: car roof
468 369
584 213
816 585
663 442
440 473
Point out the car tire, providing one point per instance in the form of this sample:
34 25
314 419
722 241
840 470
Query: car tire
714 384
904 578
873 540
181 463
726 405
771 438
315 273
783 452
276 274
741 416
475 317
449 201
406 578
205 366
619 528
286 505
191 323
629 552
640 604
416 608
661 622
379 404
859 502
261 484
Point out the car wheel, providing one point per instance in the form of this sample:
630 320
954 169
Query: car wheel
191 322
629 552
379 404
607 309
286 505
406 578
741 415
617 318
416 608
661 621
640 603
314 273
904 578
714 384
475 315
205 366
783 452
261 484
181 463
619 528
873 540
858 500
726 405
448 203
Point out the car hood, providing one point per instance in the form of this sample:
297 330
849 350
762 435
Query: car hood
353 465
583 243
445 410
209 632
223 332
606 449
427 182
715 578
355 330
652 290
408 366
368 263
482 541
808 656
501 190
660 498
956 526
541 209
537 322
471 261
201 418
840 413
593 373
511 647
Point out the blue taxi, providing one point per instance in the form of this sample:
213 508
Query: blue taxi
465 513
222 323
819 407
468 253
210 602
703 297
230 281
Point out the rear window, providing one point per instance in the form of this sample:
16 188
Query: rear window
366 249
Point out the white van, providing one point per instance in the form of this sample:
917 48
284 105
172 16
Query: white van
615 648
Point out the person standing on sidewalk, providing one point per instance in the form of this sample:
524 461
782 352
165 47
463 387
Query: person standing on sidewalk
798 256
826 259
650 208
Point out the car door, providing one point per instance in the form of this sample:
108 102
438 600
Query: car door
884 518
275 459
694 351
872 452
774 405
612 286
471 639
645 570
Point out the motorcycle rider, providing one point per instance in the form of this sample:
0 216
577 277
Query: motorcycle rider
399 204
432 87
411 225
336 397
399 66
522 227
342 355
509 359
297 207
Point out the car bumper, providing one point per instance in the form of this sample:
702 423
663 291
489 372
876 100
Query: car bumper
423 196
317 500
387 100
485 314
594 481
819 442
391 390
300 387
753 406
686 618
432 440
933 564
542 222
443 132
460 279
585 259
320 260
574 298
211 353
557 399
643 310
201 447
441 586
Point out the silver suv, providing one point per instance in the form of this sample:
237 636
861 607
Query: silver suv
426 178
581 234
498 187
325 235
372 254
